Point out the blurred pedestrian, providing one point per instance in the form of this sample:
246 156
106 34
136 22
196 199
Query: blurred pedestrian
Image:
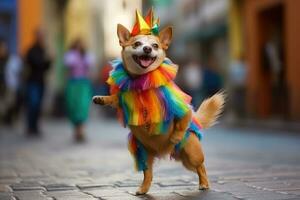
193 81
237 79
38 63
10 75
78 90
212 79
274 68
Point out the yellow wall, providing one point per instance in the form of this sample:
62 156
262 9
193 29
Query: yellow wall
235 30
77 21
29 19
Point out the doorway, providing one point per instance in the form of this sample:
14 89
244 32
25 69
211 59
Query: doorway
273 93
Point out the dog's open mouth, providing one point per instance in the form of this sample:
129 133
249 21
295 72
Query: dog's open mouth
144 60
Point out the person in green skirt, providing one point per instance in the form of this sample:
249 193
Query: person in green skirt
78 89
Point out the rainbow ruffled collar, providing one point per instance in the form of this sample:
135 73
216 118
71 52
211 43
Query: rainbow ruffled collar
165 73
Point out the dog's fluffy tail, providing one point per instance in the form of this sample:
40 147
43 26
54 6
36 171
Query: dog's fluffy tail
210 110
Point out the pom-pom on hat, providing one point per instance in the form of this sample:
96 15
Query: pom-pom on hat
145 26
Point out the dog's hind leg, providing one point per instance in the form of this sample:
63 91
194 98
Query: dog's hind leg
192 157
203 179
148 175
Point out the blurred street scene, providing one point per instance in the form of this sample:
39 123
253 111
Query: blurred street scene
247 48
241 164
55 145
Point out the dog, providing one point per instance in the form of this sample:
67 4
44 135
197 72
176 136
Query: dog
142 54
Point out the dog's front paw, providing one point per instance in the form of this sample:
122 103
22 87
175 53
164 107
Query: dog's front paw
99 100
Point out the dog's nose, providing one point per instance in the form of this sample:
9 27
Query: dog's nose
147 49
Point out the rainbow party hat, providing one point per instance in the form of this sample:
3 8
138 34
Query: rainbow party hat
145 26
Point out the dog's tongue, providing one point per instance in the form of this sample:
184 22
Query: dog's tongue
145 62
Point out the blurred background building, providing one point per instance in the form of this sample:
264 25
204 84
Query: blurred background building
257 35
248 47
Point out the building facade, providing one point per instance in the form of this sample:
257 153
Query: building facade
260 33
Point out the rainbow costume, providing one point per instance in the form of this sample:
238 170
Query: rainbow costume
151 98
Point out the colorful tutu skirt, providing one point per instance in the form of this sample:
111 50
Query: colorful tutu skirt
78 100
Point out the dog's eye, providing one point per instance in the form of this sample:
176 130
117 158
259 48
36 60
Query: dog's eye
155 46
136 44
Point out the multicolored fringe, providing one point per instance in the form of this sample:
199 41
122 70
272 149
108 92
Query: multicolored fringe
138 151
152 98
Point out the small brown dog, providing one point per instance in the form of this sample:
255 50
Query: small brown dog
144 53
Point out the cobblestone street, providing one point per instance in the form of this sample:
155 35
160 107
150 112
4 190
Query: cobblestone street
242 164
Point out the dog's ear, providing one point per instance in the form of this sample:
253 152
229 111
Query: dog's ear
165 37
123 34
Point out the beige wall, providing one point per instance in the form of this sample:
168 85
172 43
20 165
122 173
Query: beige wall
96 22
114 13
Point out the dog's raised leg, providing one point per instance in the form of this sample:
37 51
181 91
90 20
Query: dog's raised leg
180 127
106 100
148 175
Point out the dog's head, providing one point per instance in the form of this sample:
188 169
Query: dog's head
144 52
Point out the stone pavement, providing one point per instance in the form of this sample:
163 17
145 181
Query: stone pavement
242 164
